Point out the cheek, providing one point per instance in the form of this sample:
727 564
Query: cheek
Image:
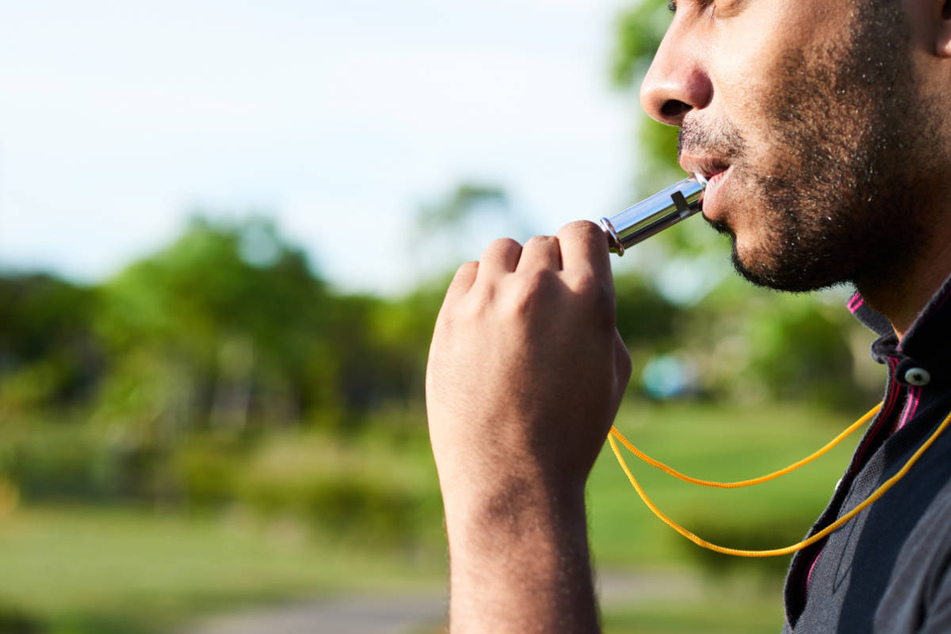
747 47
744 76
751 56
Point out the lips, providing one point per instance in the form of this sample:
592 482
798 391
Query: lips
717 171
711 196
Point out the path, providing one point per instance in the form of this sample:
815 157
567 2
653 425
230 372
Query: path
350 615
420 613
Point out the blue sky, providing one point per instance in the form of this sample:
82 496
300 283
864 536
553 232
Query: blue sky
339 118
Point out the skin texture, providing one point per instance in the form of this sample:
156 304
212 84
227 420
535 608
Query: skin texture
822 124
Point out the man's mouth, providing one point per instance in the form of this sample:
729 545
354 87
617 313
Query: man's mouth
711 195
707 166
716 177
716 171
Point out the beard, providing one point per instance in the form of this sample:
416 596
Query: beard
840 197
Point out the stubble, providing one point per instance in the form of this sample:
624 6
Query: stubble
843 201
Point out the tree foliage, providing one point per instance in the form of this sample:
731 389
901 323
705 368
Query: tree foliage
638 32
46 344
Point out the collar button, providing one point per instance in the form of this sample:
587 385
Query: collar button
918 377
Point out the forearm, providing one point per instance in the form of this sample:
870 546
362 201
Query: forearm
519 562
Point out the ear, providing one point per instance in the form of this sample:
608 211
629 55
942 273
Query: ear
943 32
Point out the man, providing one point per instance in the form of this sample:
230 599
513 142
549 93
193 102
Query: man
825 131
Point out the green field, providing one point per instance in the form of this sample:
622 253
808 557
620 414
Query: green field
750 614
84 569
92 570
714 444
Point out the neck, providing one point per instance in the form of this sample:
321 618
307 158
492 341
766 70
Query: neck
902 298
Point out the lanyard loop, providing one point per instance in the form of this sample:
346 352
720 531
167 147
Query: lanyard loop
878 493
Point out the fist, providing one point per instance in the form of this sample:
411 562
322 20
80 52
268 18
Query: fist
526 368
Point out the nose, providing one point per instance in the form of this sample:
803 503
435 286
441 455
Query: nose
677 81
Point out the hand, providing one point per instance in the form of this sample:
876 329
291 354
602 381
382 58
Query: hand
525 375
526 368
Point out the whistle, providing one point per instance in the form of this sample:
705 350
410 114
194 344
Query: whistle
652 215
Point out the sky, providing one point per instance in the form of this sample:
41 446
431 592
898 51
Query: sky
341 119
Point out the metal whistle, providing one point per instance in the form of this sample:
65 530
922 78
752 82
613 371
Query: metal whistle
652 215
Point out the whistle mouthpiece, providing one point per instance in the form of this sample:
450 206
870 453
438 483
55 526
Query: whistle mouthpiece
652 215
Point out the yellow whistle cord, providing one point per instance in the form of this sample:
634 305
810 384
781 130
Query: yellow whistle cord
732 485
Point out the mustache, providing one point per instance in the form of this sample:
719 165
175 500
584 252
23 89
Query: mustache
722 139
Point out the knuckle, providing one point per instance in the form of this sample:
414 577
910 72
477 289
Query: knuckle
500 247
583 229
466 272
541 241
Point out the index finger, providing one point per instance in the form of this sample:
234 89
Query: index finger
584 249
462 281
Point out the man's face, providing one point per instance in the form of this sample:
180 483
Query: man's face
808 119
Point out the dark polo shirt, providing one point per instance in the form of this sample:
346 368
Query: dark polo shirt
888 569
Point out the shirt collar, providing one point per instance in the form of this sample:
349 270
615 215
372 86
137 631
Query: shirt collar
928 341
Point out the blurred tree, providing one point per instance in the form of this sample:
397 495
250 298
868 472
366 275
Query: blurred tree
404 328
767 346
369 371
638 32
225 327
228 328
48 353
467 217
186 355
645 318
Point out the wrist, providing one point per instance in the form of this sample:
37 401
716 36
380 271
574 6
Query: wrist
514 504
519 560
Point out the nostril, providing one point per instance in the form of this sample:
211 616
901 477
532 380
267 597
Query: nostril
673 108
946 11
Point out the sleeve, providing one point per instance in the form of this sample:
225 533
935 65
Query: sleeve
937 611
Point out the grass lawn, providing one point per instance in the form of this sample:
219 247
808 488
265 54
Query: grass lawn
114 571
755 614
81 570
